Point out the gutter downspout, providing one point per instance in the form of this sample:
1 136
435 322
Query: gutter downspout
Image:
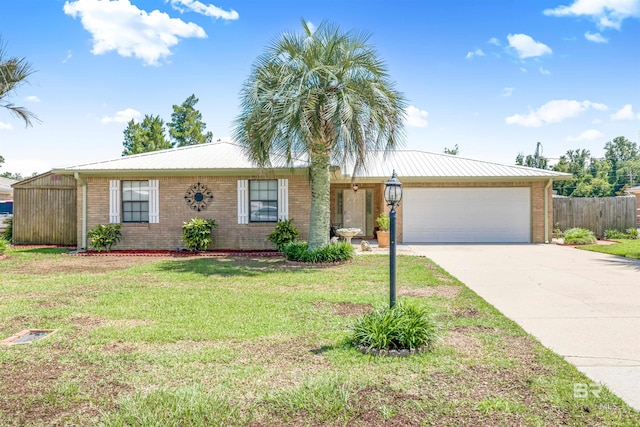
546 210
83 243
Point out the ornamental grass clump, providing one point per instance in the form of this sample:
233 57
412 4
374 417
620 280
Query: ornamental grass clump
579 236
403 327
333 252
196 233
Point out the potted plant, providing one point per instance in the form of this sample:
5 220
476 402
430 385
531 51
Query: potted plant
383 230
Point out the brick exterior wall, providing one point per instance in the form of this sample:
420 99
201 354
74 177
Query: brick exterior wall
167 234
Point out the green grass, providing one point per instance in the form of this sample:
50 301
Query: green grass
240 341
626 248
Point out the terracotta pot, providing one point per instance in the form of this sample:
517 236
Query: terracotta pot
383 239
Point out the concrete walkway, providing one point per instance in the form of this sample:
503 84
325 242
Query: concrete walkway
583 305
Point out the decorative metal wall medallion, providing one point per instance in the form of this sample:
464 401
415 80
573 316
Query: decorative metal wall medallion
198 197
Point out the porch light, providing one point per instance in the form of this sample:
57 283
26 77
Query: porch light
393 195
393 191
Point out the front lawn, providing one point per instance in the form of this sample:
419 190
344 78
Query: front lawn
626 248
239 341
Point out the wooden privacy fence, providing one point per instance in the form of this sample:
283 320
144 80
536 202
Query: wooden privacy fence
44 211
594 213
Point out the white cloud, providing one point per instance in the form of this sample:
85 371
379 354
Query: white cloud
121 26
587 135
477 52
544 71
203 9
625 113
121 116
606 13
32 98
595 37
68 57
522 69
5 126
553 112
527 47
494 41
507 91
416 117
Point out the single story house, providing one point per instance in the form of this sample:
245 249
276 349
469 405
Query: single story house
445 198
6 192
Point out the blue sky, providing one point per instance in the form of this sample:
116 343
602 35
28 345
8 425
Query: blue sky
492 76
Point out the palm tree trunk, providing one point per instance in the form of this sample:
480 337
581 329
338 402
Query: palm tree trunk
319 220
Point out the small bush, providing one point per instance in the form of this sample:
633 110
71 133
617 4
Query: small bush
630 233
404 326
103 237
3 246
613 234
383 222
196 233
334 252
284 234
579 236
8 232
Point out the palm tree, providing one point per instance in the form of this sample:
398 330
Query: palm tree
324 93
14 72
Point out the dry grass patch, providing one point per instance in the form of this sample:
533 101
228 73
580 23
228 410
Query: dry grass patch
442 291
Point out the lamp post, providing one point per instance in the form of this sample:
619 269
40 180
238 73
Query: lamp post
393 195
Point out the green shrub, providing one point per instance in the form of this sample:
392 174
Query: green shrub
284 234
8 232
614 234
3 246
405 326
333 252
196 233
630 233
383 222
579 236
103 237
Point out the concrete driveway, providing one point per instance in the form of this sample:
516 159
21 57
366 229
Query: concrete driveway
583 305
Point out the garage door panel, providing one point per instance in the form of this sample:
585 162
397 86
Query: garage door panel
459 215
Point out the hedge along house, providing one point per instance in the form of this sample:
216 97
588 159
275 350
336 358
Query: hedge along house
153 194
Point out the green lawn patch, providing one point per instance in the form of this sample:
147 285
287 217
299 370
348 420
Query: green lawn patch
626 248
145 341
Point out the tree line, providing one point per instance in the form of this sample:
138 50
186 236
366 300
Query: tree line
611 175
185 128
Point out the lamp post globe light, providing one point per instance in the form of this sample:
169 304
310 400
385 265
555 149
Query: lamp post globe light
392 195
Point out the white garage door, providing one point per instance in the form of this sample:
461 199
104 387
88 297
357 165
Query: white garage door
466 215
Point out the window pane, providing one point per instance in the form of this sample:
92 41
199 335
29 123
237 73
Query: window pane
135 201
263 196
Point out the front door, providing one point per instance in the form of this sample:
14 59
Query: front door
354 210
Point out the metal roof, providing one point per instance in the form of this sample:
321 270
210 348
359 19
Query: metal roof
5 184
421 164
221 156
216 155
